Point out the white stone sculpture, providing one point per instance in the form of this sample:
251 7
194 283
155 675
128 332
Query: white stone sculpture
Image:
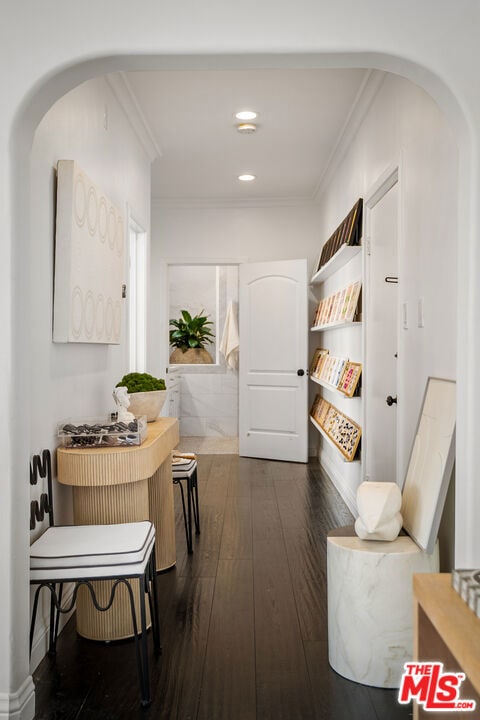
378 505
122 401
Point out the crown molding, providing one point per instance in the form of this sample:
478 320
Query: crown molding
127 100
220 202
366 94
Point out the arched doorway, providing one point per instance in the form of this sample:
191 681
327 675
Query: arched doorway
23 354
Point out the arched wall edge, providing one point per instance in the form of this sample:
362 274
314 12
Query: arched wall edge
34 105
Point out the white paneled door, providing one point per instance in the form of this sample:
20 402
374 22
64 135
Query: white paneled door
382 336
273 421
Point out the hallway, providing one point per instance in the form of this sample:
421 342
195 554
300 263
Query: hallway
243 619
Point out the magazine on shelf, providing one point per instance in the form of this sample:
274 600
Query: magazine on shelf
349 309
350 378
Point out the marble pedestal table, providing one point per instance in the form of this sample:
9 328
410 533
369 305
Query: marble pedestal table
370 600
117 485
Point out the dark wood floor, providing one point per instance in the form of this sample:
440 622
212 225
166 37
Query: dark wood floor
244 619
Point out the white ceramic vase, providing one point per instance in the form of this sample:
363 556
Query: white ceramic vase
147 403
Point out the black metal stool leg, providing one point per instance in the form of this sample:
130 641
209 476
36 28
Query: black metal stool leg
152 590
188 528
196 509
55 605
143 619
144 692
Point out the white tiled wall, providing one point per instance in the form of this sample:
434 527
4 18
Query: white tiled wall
205 397
209 404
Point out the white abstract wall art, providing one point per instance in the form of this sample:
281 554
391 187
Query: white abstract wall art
89 261
431 464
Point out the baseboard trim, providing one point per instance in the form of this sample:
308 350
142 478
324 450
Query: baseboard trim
19 705
40 640
347 493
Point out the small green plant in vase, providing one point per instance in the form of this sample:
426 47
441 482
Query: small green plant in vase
188 336
146 394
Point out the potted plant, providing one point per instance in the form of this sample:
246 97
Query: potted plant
146 393
189 337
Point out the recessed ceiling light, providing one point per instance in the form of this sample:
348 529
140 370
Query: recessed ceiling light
246 177
246 115
246 128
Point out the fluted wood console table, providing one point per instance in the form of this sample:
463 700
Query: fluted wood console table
446 630
115 485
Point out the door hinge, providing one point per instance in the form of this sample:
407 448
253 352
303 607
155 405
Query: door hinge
368 246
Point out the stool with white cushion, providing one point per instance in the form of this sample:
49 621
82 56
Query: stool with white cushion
80 554
184 468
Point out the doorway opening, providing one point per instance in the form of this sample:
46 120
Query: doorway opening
137 297
205 393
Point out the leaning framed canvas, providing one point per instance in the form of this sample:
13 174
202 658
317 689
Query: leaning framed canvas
431 463
349 380
344 432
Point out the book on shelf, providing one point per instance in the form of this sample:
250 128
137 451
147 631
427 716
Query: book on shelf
320 364
338 371
349 309
336 300
317 359
341 300
351 224
350 378
328 370
348 232
328 314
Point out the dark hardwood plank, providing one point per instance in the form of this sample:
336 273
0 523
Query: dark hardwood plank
185 628
335 697
213 489
282 680
386 705
243 619
229 671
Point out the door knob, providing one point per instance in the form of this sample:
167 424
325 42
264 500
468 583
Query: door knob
300 372
391 400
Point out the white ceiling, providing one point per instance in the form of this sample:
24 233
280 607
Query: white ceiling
302 115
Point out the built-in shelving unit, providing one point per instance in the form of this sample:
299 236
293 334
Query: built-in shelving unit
336 325
341 257
332 388
329 441
338 310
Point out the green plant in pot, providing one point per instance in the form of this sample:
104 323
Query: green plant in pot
146 393
188 336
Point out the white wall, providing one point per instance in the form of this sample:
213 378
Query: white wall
405 127
209 403
229 233
76 380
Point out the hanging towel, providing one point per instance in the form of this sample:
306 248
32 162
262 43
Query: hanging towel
230 341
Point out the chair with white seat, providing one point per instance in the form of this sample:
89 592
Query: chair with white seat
81 554
184 468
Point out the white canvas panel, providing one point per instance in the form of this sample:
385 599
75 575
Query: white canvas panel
89 261
431 464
